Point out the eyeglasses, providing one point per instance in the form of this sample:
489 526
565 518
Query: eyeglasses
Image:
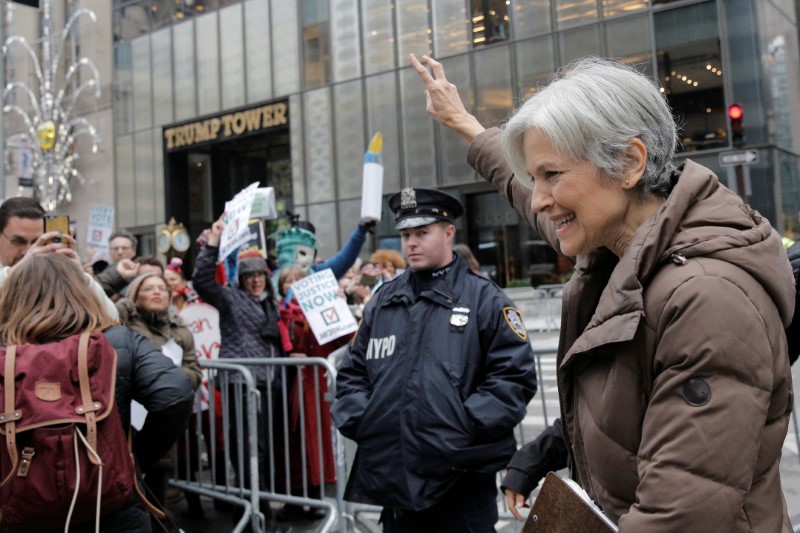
17 241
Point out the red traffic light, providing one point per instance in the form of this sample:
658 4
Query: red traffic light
735 111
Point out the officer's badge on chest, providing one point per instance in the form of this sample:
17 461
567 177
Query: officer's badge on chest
460 317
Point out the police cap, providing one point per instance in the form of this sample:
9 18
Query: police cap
419 207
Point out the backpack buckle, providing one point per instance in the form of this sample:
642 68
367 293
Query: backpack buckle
25 464
10 417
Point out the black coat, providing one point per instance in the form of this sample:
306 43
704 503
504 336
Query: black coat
145 375
546 453
432 387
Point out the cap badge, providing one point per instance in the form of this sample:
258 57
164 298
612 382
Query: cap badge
408 198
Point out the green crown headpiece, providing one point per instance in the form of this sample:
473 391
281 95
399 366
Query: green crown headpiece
286 242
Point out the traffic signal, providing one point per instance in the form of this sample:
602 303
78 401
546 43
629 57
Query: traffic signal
735 113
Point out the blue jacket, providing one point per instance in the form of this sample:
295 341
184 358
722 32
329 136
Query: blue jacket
432 387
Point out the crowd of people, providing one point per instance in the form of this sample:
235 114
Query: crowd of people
670 419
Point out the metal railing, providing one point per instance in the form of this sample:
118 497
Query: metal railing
288 417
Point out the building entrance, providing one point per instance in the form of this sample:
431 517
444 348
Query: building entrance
209 160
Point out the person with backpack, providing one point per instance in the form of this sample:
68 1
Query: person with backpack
45 307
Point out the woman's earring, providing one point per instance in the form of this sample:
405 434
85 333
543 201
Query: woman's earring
627 182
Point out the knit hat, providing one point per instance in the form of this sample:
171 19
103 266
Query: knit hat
136 284
250 265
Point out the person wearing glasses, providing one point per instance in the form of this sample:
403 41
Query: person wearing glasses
22 236
21 220
116 277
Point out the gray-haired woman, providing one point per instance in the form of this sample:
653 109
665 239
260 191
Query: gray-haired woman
672 366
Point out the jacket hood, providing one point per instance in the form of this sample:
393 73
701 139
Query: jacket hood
700 218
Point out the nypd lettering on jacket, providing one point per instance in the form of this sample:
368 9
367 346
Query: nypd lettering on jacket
380 348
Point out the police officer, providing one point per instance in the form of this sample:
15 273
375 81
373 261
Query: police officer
439 374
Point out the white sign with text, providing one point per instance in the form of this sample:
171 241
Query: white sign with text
237 215
327 313
101 224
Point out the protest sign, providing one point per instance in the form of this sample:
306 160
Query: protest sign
326 312
101 224
203 321
256 242
237 215
264 204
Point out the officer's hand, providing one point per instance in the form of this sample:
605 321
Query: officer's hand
127 269
298 355
514 500
442 100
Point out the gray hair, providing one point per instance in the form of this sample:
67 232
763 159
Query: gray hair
590 111
125 234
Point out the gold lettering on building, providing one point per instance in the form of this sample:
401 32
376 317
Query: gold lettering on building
230 125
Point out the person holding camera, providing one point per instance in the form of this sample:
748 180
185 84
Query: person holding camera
22 236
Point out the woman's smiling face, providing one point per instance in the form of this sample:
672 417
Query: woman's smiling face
588 213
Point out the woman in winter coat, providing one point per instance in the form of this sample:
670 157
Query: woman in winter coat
145 309
310 382
248 323
46 299
672 365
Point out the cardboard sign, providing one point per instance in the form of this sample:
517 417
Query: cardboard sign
326 312
101 224
203 321
256 241
237 215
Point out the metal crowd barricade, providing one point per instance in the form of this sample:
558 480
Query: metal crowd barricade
221 447
203 450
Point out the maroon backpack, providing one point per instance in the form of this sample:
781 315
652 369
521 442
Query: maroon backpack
65 457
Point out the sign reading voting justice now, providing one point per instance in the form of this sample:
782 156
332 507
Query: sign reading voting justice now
326 312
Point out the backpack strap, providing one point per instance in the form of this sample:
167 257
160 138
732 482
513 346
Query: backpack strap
10 417
89 407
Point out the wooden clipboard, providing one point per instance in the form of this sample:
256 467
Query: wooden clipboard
559 509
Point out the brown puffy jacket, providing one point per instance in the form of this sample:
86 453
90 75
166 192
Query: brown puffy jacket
159 328
673 373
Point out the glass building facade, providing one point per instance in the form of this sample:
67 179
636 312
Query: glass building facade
211 95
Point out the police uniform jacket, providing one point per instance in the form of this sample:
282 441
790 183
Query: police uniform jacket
432 387
673 373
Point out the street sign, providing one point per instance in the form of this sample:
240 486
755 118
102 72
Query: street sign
739 157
